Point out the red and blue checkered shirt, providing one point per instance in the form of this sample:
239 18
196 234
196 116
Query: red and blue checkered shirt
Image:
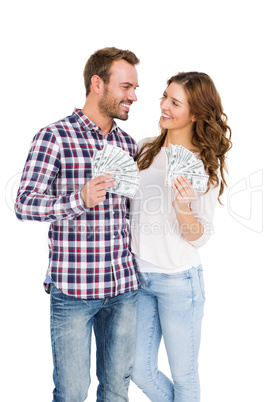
89 255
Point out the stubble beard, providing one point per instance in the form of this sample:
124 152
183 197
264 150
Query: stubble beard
109 107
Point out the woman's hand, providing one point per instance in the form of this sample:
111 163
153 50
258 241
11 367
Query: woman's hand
184 193
190 227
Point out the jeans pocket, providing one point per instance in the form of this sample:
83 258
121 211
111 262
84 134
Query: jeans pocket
201 282
176 275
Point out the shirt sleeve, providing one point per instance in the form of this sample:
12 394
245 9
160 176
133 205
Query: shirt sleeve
203 208
42 166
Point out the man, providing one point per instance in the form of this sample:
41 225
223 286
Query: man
92 274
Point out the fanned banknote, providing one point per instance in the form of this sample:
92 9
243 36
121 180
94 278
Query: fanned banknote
116 161
182 162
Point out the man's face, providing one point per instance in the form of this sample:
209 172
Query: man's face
119 93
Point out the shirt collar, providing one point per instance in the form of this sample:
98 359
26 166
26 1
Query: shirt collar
85 122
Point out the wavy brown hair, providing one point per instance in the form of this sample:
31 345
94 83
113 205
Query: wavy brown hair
211 133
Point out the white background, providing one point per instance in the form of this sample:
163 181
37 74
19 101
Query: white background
44 47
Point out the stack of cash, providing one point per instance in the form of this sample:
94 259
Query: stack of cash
182 162
116 161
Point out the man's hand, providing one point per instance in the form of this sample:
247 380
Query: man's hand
94 191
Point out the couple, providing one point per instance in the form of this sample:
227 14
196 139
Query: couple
92 276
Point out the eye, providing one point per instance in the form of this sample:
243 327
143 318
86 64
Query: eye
163 96
126 86
176 104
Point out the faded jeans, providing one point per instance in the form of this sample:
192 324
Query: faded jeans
169 305
114 323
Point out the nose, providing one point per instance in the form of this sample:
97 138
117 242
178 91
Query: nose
163 103
132 95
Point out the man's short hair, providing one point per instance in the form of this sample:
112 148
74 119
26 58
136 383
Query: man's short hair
101 61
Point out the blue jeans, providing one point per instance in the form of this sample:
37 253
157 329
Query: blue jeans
114 324
172 306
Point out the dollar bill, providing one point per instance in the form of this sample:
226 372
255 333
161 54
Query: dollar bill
115 160
198 181
124 188
182 162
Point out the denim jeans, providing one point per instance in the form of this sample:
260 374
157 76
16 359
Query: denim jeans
170 306
114 324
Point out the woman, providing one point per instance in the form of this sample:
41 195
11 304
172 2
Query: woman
168 225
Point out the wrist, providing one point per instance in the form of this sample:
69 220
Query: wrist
182 208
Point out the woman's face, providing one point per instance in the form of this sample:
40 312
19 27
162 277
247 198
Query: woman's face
175 109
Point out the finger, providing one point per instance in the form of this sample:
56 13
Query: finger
183 181
106 184
181 186
188 183
176 189
185 186
101 193
98 200
101 179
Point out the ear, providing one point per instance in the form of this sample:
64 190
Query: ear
96 84
193 119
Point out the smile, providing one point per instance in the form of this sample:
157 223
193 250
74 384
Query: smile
165 116
126 105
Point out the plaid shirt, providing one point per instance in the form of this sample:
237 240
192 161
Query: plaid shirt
89 254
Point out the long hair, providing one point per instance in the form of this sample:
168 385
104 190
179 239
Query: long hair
211 134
